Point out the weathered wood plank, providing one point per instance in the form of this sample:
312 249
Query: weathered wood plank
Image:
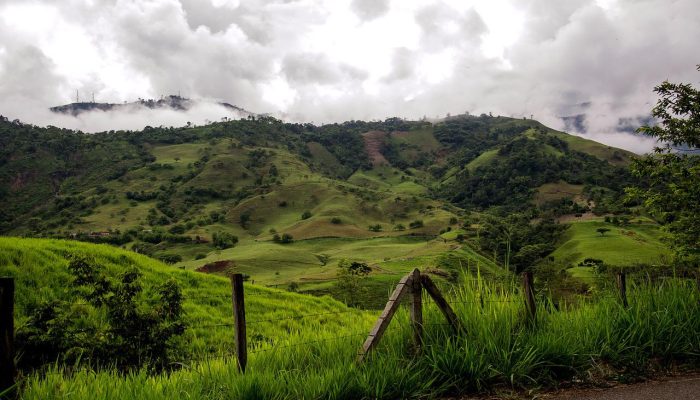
529 293
239 328
417 308
442 304
621 280
385 318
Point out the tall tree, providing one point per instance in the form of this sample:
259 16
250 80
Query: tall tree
671 175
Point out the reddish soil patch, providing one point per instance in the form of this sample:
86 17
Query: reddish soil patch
216 266
373 145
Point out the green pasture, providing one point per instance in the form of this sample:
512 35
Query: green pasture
635 243
497 350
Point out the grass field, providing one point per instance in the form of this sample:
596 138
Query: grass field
636 243
556 191
315 357
40 270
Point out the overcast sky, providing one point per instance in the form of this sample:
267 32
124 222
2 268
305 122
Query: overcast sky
336 60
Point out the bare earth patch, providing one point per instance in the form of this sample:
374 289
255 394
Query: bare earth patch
373 145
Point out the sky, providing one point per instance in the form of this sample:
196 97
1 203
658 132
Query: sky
585 66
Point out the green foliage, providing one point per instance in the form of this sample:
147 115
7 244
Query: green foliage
131 337
224 240
415 224
336 221
602 231
516 241
285 238
671 189
350 278
499 350
306 215
375 228
323 258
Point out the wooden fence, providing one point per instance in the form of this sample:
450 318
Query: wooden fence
413 284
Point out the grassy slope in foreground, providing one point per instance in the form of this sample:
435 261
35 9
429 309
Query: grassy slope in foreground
498 348
40 269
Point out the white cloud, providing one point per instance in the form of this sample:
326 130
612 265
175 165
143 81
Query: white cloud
329 60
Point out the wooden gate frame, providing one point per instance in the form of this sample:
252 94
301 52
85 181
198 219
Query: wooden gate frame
412 283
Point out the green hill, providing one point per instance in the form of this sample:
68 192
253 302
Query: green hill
167 192
40 270
635 243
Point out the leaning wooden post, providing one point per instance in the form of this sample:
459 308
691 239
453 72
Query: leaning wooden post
442 304
529 293
239 321
7 333
621 280
383 321
417 308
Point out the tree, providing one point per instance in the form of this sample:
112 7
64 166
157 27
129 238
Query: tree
602 231
224 240
350 282
670 177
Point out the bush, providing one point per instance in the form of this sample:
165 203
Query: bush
416 224
306 215
399 227
224 240
177 229
336 221
284 239
375 228
130 337
170 258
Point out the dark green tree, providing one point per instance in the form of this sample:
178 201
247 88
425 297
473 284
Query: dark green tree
670 188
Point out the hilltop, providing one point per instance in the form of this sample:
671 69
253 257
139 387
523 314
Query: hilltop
171 102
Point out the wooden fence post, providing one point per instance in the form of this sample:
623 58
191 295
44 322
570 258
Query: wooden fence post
417 308
383 321
7 333
442 304
621 280
529 293
239 321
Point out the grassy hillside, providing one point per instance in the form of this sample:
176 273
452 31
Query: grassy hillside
40 269
167 192
635 243
315 357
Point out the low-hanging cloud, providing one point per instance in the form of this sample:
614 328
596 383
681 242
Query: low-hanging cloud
592 62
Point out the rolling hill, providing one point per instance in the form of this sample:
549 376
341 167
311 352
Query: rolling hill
378 192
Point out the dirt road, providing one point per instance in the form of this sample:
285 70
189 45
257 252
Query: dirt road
676 388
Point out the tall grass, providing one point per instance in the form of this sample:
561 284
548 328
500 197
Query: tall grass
662 323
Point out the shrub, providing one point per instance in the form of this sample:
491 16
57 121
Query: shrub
336 221
416 224
224 240
375 228
170 258
306 215
284 239
130 337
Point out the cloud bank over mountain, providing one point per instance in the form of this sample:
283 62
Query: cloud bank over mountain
585 65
